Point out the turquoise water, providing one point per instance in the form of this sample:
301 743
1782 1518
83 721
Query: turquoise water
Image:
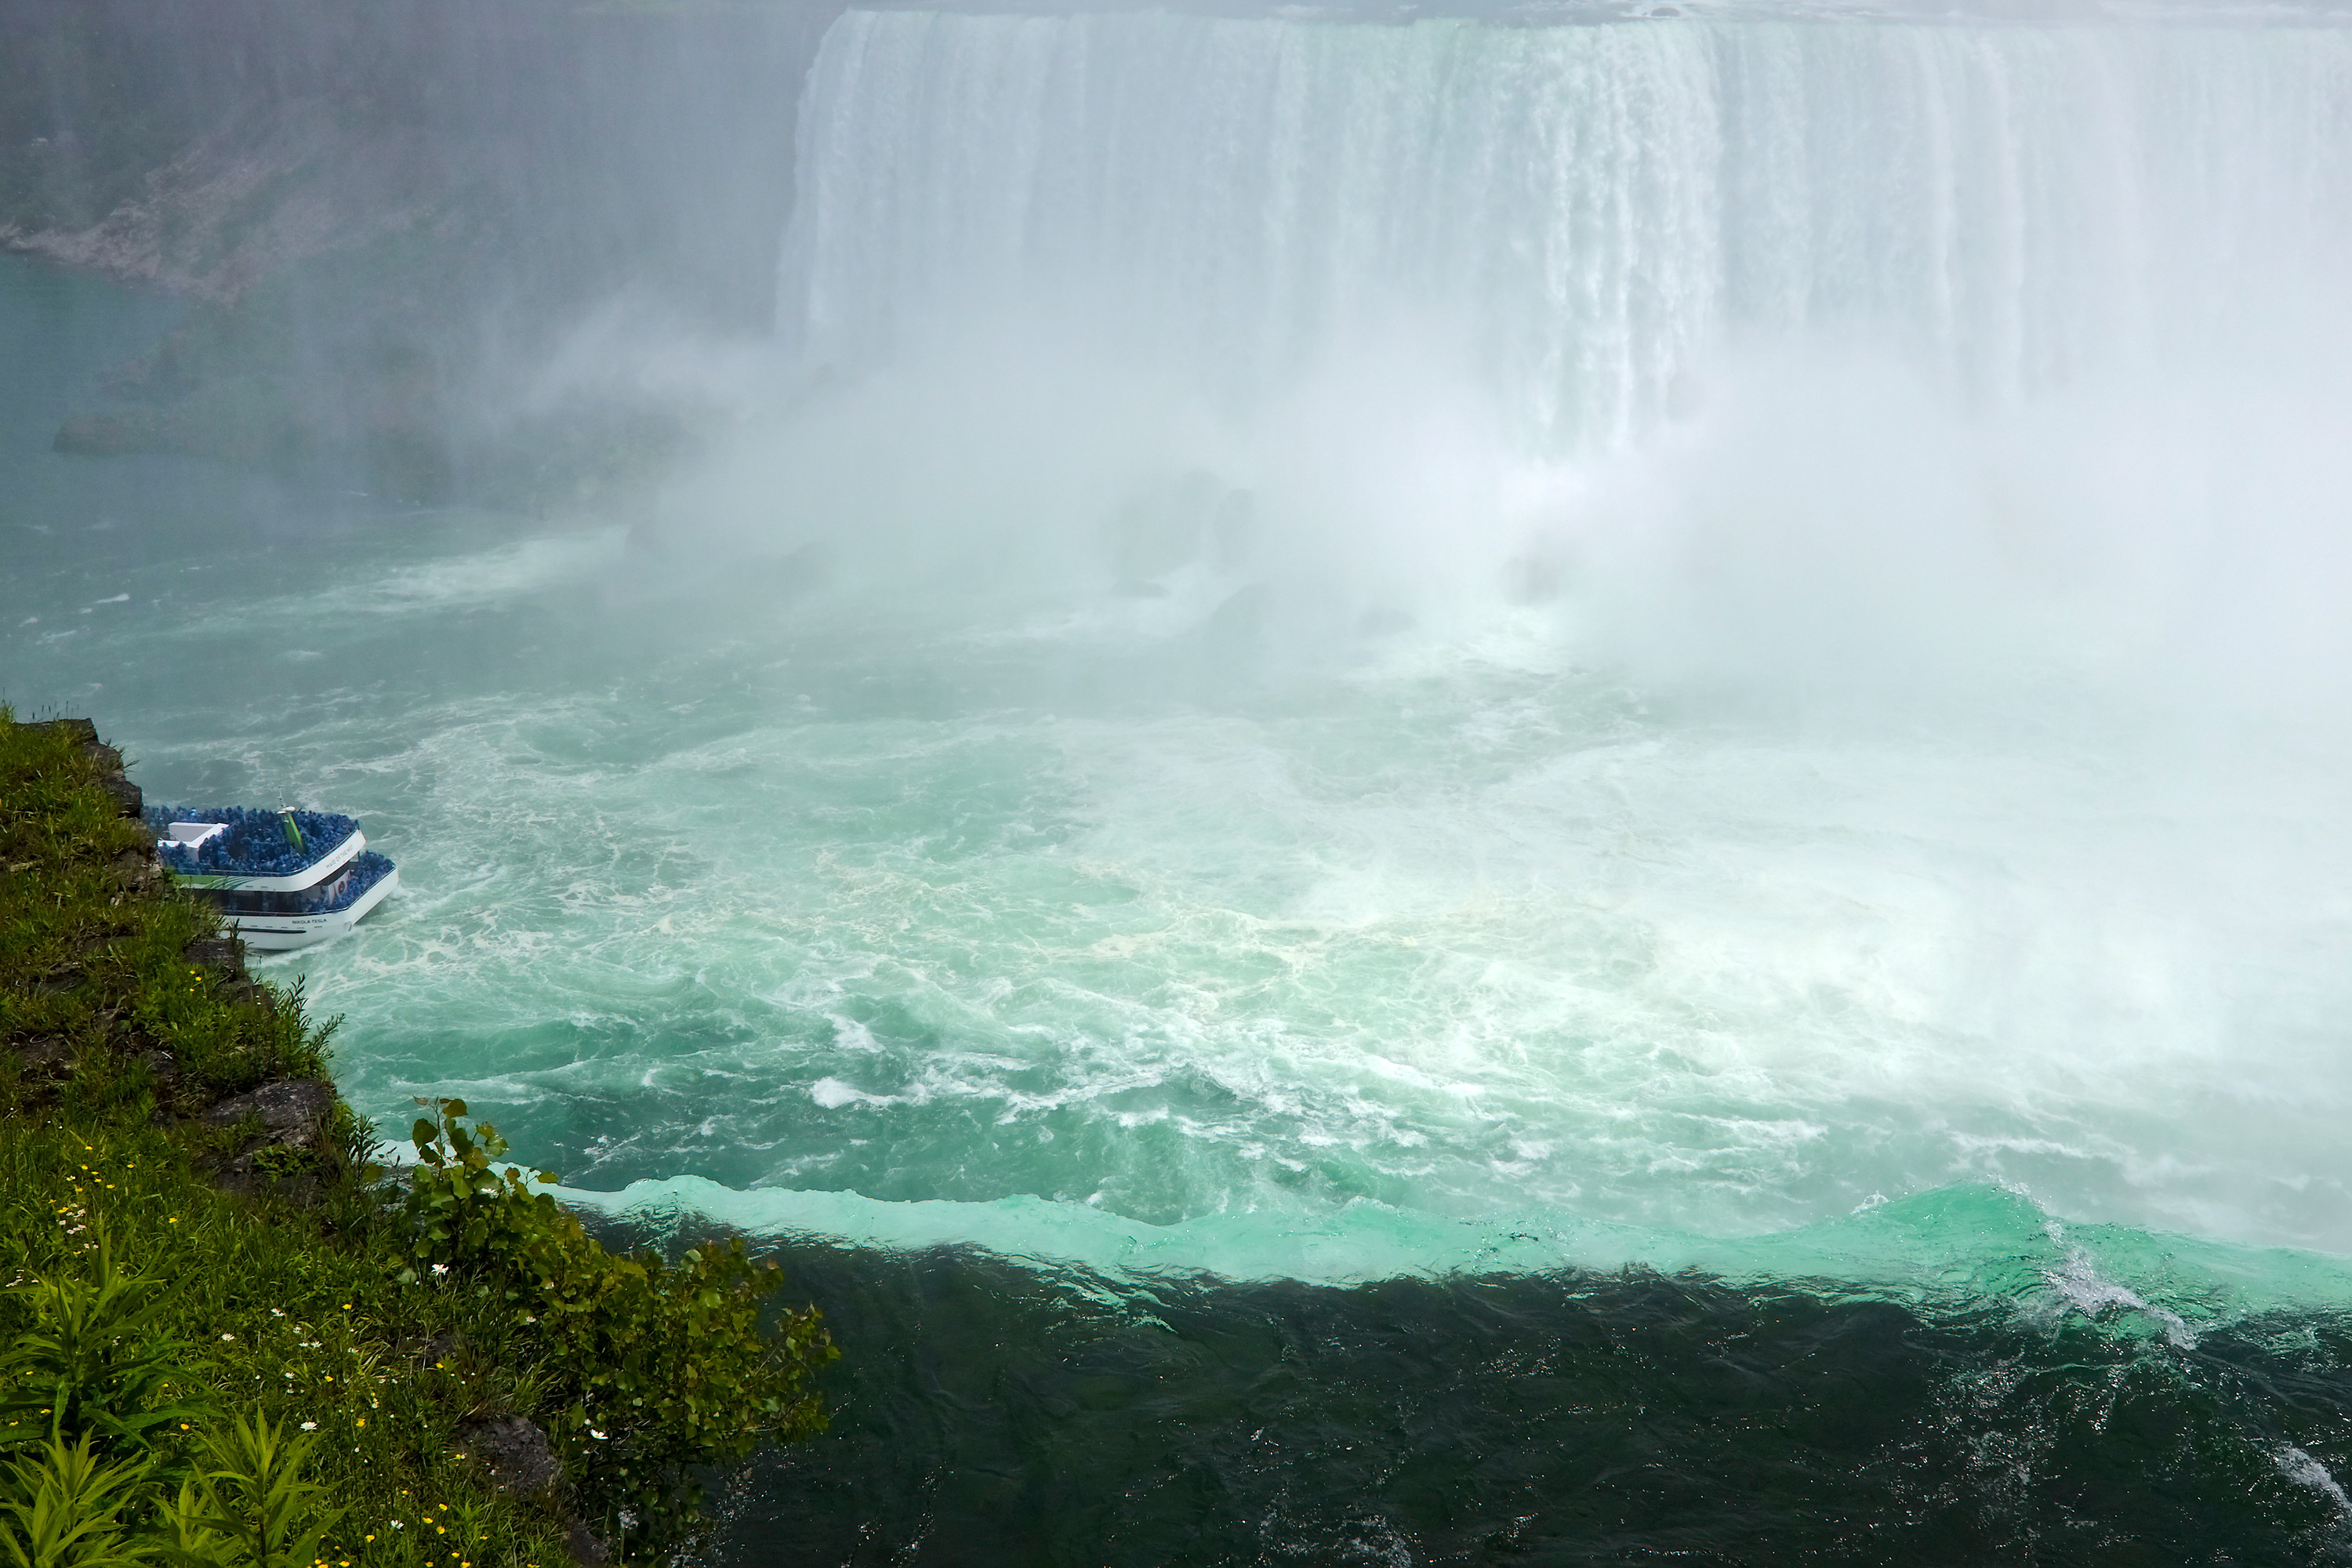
1590 926
1079 926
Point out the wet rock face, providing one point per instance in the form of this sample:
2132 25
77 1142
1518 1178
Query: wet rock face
517 1455
106 435
260 191
292 1112
585 1549
392 216
107 761
224 953
82 729
521 1462
45 1055
290 1146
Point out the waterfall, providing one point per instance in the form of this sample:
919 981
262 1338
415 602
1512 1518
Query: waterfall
1586 213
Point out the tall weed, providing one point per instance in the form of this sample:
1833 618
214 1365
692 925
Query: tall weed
249 1504
99 1364
66 1507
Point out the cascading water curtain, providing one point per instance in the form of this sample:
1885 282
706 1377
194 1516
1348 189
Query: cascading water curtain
1587 210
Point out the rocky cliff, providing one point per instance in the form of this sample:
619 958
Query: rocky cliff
387 214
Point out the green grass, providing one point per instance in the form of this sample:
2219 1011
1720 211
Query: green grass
306 1300
92 956
277 1319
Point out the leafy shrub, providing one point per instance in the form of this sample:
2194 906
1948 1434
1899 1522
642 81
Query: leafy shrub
282 1321
659 1366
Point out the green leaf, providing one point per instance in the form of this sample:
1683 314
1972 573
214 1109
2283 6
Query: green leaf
68 1509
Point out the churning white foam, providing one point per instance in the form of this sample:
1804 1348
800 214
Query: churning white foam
1430 645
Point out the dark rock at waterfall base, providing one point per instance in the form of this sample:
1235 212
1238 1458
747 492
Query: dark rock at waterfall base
517 1455
585 1549
47 1055
224 953
293 1112
106 759
82 731
126 797
291 1118
105 435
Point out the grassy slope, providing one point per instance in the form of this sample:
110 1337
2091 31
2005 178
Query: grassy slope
290 1308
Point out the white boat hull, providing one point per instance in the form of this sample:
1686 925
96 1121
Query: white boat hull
280 933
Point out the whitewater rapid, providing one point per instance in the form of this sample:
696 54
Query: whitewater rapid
895 929
1355 650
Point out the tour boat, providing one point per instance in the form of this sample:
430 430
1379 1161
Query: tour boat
282 878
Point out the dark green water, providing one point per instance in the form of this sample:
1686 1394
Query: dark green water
1563 1418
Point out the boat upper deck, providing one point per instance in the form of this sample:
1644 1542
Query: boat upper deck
242 848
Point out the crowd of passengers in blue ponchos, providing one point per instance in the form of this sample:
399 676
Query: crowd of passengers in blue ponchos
256 844
343 891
